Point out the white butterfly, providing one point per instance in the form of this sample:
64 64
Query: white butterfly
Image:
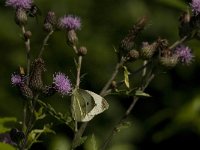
86 104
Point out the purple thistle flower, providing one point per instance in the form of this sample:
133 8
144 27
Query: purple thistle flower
195 6
25 4
70 22
62 83
16 79
184 54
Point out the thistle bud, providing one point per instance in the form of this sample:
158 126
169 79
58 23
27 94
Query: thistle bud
72 37
113 84
162 44
20 16
26 91
50 18
169 61
48 27
82 51
50 21
133 55
38 68
128 42
27 35
148 50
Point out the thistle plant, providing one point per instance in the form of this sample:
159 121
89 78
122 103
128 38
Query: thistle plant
85 104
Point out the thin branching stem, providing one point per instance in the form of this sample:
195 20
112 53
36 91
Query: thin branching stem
45 43
78 70
177 43
114 74
135 99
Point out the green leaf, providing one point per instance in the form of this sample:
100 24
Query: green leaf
34 135
140 93
91 143
126 77
5 122
4 146
50 110
40 114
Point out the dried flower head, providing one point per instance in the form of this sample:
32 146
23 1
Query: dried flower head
195 5
148 50
62 83
184 54
70 22
16 79
25 4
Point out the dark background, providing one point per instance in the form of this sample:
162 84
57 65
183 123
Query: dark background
169 119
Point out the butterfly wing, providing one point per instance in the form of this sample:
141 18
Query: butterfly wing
100 106
82 103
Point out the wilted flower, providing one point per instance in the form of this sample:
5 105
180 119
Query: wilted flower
70 22
62 83
25 4
16 79
195 6
184 54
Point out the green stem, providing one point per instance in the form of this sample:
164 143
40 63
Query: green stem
114 74
45 43
52 112
178 42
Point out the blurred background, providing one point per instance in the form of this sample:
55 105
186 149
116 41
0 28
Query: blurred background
169 119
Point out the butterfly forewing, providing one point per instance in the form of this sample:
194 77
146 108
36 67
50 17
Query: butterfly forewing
82 103
100 106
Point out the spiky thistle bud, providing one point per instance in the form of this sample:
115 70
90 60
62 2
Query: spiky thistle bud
133 55
50 21
26 92
27 35
162 44
82 51
148 50
169 61
38 68
50 18
20 16
128 42
48 27
113 84
168 58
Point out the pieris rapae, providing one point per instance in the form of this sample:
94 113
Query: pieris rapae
86 104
